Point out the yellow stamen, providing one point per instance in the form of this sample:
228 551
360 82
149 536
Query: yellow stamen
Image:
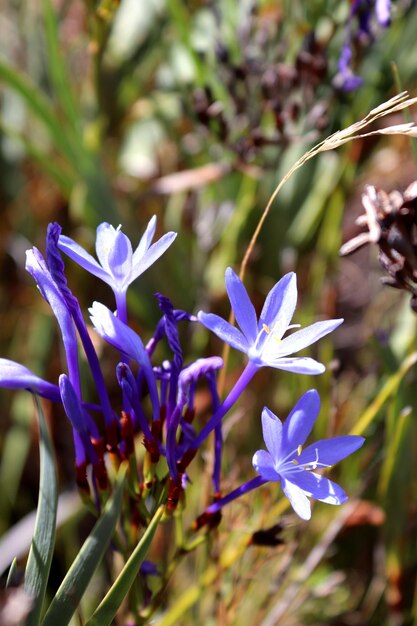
294 461
299 449
266 328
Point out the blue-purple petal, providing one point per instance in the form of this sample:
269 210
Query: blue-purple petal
119 335
302 338
330 451
72 404
298 500
16 376
105 236
272 434
263 463
120 259
383 12
225 331
297 365
318 487
36 266
141 264
145 241
300 421
82 257
115 332
242 306
280 304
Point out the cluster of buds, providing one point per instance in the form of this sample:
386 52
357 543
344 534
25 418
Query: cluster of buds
390 221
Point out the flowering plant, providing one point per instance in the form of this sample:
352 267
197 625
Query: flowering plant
158 472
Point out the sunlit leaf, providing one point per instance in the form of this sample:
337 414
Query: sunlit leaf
88 559
40 554
108 608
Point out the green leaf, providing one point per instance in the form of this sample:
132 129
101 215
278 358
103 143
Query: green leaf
389 389
109 606
88 559
41 107
57 69
58 171
12 575
40 554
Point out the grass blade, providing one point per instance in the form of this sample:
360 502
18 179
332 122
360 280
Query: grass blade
88 559
389 389
41 107
40 554
57 69
108 608
12 575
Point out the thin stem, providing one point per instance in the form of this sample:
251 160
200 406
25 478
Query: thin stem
256 482
121 306
226 405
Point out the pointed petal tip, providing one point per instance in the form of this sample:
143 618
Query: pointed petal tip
313 394
230 274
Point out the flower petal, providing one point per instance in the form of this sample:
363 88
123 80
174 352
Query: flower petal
115 332
145 241
16 376
119 335
279 305
272 434
105 237
318 487
330 451
242 306
298 500
152 255
300 421
36 266
119 259
297 365
72 404
225 331
304 337
264 465
81 256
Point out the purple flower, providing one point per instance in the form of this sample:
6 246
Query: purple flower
383 12
262 340
117 264
81 422
286 461
345 78
36 266
119 335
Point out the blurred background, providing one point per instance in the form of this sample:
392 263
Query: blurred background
194 111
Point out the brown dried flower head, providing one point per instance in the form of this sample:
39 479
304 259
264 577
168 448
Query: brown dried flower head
390 221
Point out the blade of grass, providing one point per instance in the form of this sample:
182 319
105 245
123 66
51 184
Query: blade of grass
12 575
40 106
40 554
406 114
389 388
57 172
88 559
57 69
109 606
